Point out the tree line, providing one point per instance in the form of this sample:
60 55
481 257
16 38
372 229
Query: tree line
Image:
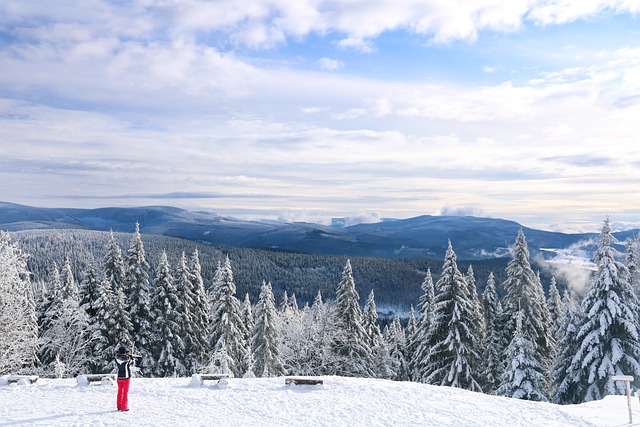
521 342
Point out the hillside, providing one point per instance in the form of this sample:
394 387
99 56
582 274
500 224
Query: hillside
420 237
268 402
396 281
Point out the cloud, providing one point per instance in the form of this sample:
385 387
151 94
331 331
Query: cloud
329 64
357 44
184 97
572 266
460 211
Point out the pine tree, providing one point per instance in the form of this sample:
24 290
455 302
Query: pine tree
397 345
95 300
419 338
608 341
352 355
413 340
294 345
249 323
115 281
228 329
632 254
185 308
492 356
524 292
201 309
45 318
522 378
67 339
554 302
321 329
453 359
166 345
138 293
381 361
266 354
478 320
18 316
114 270
567 389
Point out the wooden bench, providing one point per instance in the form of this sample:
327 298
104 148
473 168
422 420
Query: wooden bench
198 380
18 379
303 381
84 380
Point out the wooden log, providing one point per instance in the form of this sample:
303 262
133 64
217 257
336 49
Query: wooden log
303 381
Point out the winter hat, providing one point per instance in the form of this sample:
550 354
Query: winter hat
122 350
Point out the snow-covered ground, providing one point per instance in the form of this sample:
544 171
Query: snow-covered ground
269 402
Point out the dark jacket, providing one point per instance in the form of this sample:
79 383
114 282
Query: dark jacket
124 363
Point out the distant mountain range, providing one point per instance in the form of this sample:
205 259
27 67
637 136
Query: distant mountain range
420 237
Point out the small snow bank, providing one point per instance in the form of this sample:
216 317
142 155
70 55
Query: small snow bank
268 401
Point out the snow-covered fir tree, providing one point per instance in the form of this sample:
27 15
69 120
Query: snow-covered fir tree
567 389
45 321
397 344
523 291
249 323
352 356
115 278
453 359
632 259
523 377
265 339
381 360
321 326
138 294
113 265
295 345
166 345
608 340
18 316
67 339
411 333
96 300
554 302
228 329
419 343
478 321
495 344
201 309
184 309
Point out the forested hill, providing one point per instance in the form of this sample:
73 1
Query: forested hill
421 237
396 281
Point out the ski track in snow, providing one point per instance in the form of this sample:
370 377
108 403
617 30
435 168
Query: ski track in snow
269 402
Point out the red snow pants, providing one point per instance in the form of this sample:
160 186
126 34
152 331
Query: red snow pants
123 394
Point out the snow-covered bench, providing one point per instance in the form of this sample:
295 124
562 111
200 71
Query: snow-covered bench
104 379
303 381
198 380
18 379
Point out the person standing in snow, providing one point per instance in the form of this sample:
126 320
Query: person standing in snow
124 363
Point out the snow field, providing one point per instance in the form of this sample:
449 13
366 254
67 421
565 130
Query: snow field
269 402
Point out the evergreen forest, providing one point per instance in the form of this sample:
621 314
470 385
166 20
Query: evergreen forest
69 299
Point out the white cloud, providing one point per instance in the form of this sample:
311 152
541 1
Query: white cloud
329 64
461 211
358 44
177 76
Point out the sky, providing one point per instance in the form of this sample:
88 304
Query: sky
311 109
